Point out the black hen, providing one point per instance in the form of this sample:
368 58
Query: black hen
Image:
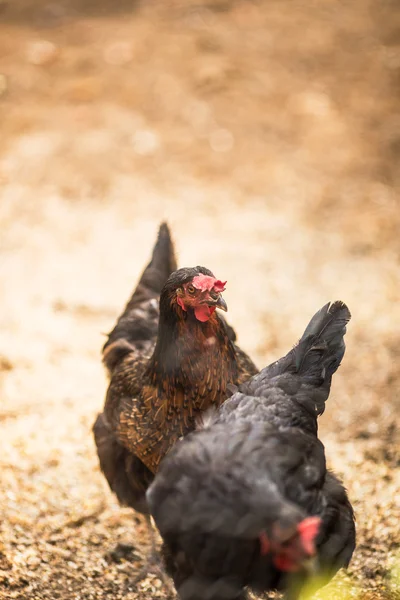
247 499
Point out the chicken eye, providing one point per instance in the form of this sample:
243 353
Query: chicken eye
191 289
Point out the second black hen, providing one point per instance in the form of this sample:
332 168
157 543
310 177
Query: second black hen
247 499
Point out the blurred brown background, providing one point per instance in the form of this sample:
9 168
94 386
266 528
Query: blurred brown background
268 134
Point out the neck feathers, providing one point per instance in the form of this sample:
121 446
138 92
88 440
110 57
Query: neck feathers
189 352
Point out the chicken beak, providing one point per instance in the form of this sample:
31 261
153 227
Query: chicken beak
214 303
310 565
221 304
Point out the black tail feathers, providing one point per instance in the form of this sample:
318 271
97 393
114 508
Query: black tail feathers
138 322
321 347
162 264
315 359
319 353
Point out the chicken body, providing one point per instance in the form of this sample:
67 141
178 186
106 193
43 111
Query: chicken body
170 357
247 499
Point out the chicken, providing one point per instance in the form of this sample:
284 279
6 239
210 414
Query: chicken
247 500
170 357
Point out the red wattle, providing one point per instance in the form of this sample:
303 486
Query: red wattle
308 530
203 312
284 563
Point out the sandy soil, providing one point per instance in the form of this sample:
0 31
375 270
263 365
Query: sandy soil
268 134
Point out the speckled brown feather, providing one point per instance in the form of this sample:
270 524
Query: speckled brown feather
149 415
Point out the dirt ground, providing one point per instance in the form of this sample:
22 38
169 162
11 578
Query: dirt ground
268 135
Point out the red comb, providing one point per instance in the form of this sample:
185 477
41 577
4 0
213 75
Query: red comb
207 283
308 529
